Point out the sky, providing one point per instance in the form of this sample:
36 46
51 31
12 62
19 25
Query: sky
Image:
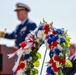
61 12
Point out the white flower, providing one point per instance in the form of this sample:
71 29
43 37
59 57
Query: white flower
19 52
41 35
20 72
37 40
27 51
60 47
34 32
29 59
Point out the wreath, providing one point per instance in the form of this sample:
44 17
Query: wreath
57 42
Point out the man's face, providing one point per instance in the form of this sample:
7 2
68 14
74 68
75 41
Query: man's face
21 14
72 50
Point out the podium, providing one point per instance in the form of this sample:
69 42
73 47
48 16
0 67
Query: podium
0 60
7 64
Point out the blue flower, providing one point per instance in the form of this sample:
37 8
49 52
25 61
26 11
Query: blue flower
52 28
62 40
26 56
54 38
51 53
50 71
49 40
37 33
40 27
57 51
59 31
50 35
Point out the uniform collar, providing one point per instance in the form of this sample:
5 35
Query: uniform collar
71 57
24 21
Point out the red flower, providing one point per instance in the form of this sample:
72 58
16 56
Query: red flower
50 46
51 61
55 69
54 64
46 31
55 43
18 68
22 59
62 61
56 58
23 44
21 66
54 32
46 26
46 37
